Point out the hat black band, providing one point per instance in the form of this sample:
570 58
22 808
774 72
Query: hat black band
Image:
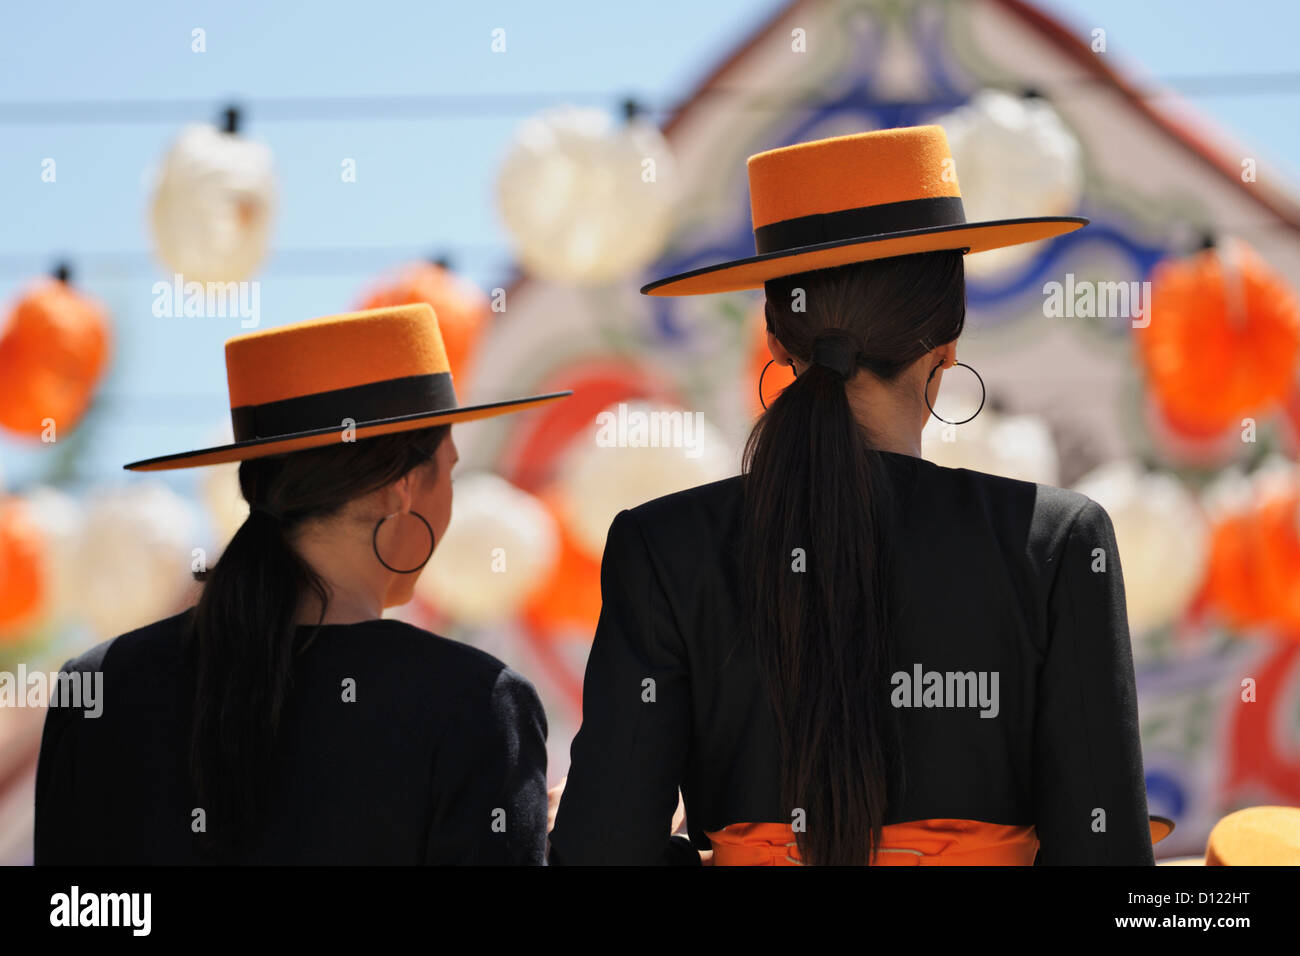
391 398
863 221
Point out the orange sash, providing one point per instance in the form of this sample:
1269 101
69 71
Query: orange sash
918 843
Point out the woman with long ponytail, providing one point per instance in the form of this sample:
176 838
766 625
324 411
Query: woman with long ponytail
284 718
846 654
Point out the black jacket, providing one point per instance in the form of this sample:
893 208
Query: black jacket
989 575
441 742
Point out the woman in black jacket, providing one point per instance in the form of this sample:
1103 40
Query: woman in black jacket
848 654
282 720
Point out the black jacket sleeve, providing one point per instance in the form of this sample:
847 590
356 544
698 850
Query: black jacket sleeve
629 756
57 842
1089 791
495 812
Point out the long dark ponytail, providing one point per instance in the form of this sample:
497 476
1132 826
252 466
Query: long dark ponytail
244 631
821 627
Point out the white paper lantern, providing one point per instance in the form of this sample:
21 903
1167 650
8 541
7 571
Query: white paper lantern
134 557
212 205
498 549
1015 158
1013 446
225 502
61 519
638 451
1163 539
587 199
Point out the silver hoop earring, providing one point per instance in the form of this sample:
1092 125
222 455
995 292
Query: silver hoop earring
374 543
926 393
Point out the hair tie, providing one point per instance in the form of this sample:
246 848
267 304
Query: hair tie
835 349
265 510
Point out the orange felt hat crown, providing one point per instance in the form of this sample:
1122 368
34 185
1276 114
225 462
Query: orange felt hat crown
848 199
304 385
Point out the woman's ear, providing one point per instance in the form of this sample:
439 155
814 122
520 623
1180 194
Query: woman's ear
779 353
404 491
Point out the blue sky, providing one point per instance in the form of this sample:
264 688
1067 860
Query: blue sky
423 184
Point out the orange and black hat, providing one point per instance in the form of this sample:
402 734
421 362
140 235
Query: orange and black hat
847 199
303 385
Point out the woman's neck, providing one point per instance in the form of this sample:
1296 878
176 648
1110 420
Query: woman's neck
356 591
892 418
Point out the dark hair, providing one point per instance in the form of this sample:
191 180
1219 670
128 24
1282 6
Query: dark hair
813 481
244 631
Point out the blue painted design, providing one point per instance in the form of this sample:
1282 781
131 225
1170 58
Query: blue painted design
1166 795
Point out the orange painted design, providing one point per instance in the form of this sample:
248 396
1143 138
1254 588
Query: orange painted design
917 843
846 172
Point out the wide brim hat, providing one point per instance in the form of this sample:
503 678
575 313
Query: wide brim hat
832 202
1254 836
366 373
1161 827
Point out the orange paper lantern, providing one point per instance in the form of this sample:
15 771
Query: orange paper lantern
53 350
1278 521
1230 585
22 570
569 602
462 308
1254 569
1223 340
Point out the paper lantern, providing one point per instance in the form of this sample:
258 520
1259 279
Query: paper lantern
212 205
1278 536
1254 569
1163 540
499 547
462 308
53 350
1013 446
24 585
1014 158
134 558
569 601
1231 588
1223 341
60 519
225 502
587 200
634 452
